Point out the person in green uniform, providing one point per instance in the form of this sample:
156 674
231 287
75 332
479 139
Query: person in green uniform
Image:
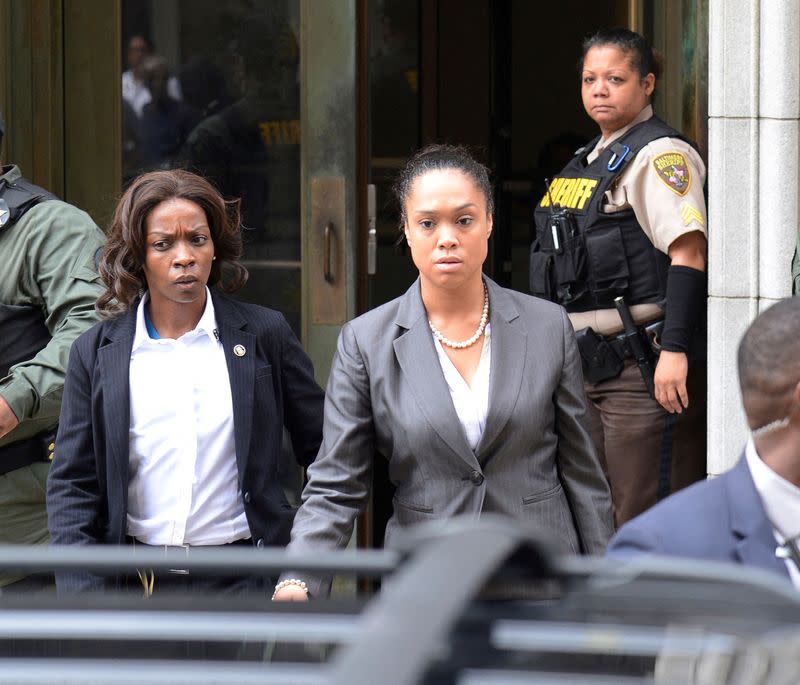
48 289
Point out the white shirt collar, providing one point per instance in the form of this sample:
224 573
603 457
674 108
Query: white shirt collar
207 324
182 474
781 499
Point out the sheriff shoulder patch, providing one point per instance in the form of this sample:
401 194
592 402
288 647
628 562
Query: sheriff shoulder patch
672 169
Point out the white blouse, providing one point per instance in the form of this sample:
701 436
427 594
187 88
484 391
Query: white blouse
471 403
183 485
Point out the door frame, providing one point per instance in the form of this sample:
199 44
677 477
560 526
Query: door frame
330 183
59 90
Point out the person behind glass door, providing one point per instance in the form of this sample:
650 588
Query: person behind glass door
251 148
134 91
473 393
174 406
165 122
636 205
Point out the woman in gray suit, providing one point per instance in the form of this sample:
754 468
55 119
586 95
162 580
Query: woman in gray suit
473 393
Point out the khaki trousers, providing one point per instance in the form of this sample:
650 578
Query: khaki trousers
23 517
636 439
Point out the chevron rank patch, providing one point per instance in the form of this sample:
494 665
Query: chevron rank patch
690 213
673 170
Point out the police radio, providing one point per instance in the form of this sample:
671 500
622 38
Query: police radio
560 224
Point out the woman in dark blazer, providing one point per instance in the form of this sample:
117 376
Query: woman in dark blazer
174 406
473 393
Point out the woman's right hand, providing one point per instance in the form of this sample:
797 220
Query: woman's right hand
290 593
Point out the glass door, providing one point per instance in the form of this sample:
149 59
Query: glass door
214 87
258 96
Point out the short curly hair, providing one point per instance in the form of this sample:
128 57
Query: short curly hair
121 265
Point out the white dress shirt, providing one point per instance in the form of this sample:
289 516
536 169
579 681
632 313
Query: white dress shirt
138 95
183 479
781 500
471 403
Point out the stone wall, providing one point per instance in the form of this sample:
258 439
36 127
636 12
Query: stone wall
753 190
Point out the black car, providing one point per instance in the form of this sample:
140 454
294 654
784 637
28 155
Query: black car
466 603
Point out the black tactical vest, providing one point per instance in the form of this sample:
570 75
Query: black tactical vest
583 257
23 332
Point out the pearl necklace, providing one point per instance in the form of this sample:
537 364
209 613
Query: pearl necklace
475 336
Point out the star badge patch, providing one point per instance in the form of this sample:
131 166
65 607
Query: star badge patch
673 170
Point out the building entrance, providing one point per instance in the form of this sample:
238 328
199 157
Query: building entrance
299 106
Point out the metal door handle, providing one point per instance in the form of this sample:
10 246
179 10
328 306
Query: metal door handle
327 236
372 235
330 236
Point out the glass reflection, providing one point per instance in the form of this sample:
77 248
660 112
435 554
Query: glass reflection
213 86
394 133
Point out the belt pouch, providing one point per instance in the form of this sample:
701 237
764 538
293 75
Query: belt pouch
600 361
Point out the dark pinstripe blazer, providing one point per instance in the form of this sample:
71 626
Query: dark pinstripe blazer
272 386
386 393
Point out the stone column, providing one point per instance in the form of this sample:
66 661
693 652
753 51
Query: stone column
753 190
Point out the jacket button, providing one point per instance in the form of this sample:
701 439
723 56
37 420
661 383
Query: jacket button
476 477
246 497
260 543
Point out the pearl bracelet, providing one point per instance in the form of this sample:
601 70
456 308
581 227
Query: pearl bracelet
290 581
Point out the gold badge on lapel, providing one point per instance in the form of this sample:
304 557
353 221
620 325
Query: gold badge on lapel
672 169
239 350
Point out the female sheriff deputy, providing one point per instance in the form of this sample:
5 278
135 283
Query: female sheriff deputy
620 233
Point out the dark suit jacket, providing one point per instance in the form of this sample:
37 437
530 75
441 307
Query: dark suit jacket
386 393
272 386
721 519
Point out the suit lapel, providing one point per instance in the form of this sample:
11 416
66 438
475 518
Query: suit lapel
509 345
240 356
419 363
749 523
114 362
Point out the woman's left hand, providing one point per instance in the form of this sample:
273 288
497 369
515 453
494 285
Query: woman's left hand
670 381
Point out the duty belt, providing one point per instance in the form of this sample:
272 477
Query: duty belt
39 448
652 332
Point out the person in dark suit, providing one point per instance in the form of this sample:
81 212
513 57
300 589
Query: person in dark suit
751 514
174 406
473 393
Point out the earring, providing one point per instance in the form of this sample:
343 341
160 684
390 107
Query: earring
214 258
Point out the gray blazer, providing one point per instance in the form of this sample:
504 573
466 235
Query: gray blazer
387 394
